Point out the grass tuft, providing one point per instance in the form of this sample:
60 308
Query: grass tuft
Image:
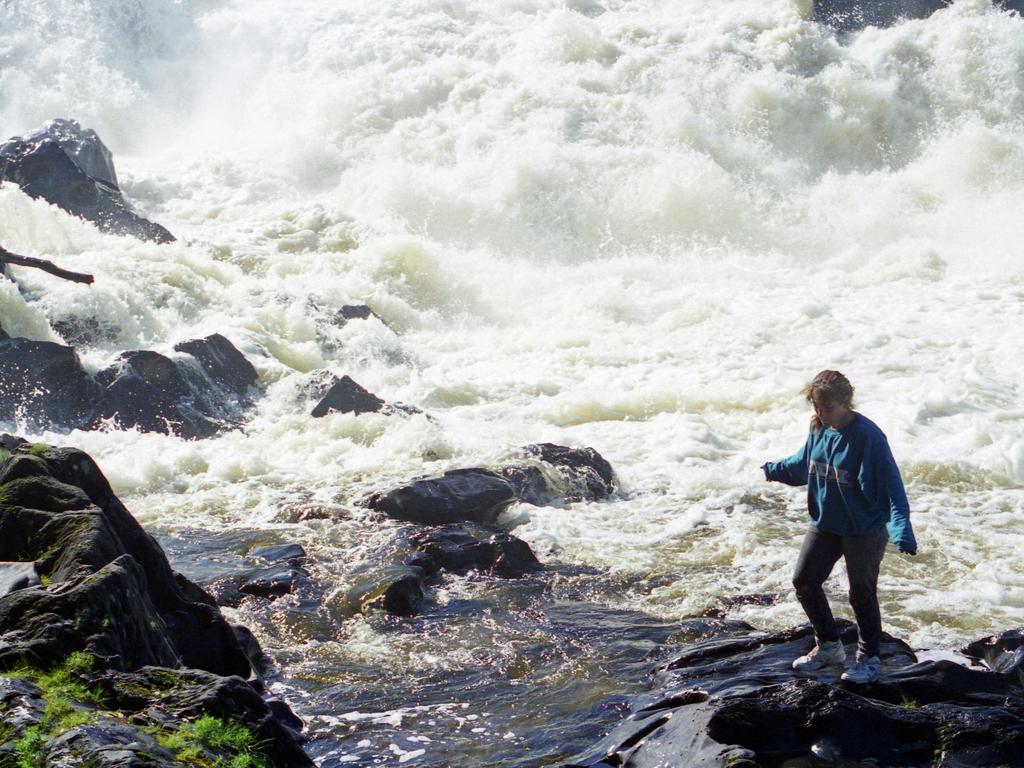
191 740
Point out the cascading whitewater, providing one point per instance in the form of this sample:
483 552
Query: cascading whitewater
640 226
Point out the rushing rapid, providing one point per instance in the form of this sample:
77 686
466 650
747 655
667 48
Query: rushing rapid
637 226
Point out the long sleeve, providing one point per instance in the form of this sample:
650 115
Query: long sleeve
889 481
792 470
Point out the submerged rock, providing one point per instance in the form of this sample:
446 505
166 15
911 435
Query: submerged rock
72 168
734 700
346 396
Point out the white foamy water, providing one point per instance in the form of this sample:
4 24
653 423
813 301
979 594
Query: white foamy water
639 226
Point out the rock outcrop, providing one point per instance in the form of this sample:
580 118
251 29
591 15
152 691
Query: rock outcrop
734 701
556 474
156 644
204 390
73 169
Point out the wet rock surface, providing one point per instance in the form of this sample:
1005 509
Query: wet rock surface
734 700
43 385
238 569
474 495
72 168
346 396
478 495
854 15
201 392
156 643
457 550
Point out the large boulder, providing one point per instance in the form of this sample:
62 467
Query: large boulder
196 395
461 495
108 612
72 168
735 701
43 385
110 589
554 473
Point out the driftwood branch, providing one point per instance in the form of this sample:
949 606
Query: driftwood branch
6 257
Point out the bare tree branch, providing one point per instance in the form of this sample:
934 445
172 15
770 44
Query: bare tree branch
6 257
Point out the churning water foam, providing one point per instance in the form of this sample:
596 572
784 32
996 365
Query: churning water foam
639 226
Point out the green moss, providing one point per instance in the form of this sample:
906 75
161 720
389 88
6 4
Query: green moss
237 745
910 703
37 449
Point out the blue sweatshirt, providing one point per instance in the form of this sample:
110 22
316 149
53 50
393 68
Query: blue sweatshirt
853 483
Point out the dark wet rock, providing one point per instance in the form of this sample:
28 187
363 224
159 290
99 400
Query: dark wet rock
457 550
1003 653
461 495
195 396
346 396
107 589
226 369
113 592
402 595
43 385
535 484
73 169
85 331
186 694
270 583
734 700
15 576
396 588
11 442
146 391
3 333
355 312
589 475
250 647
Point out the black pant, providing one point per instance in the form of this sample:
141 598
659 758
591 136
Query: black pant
863 555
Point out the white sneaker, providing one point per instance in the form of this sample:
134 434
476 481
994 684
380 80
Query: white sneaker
864 670
821 655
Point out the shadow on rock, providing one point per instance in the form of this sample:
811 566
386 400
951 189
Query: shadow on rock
735 701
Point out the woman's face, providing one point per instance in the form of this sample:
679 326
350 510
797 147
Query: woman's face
831 413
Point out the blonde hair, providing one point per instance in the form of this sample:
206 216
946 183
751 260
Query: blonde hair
828 385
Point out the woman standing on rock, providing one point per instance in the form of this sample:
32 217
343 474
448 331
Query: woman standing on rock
856 502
